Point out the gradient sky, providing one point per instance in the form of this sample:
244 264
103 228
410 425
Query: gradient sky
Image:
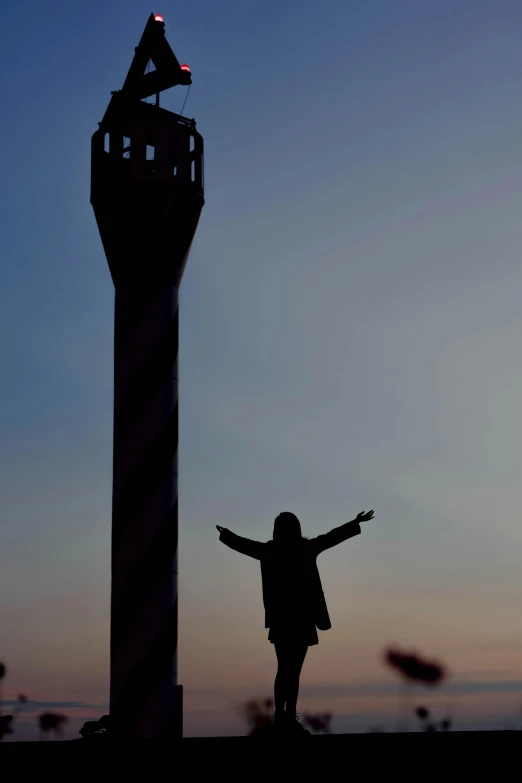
351 331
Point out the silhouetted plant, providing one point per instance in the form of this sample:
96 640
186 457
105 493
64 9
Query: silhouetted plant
21 701
259 716
424 714
6 721
319 723
5 727
2 675
96 728
51 721
413 669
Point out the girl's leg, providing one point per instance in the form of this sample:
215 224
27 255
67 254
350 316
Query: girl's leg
290 658
296 660
280 684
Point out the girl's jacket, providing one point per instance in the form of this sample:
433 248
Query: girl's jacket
295 568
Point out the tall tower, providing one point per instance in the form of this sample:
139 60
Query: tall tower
147 195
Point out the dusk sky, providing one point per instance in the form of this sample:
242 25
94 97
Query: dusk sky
351 335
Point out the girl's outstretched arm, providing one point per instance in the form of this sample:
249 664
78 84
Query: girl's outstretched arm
246 546
342 533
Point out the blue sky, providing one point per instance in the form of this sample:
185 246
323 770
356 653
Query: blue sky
350 339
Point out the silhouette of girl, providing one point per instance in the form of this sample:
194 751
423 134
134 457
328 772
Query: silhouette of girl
293 599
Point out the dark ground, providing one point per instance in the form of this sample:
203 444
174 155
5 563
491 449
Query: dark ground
453 756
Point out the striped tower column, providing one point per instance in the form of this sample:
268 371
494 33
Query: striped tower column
145 700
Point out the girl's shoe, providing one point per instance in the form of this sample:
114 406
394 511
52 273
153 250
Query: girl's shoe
280 720
293 724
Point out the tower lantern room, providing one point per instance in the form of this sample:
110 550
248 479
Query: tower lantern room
147 171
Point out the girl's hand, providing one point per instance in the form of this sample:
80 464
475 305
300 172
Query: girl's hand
364 516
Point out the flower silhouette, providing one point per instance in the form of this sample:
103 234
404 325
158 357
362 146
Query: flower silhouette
318 723
51 721
414 668
5 727
258 715
423 714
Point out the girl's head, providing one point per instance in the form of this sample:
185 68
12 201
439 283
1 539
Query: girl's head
287 528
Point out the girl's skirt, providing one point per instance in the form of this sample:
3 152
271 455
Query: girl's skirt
303 632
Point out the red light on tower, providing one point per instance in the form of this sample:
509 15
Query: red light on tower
158 18
185 67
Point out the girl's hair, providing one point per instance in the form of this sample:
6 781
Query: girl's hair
287 528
